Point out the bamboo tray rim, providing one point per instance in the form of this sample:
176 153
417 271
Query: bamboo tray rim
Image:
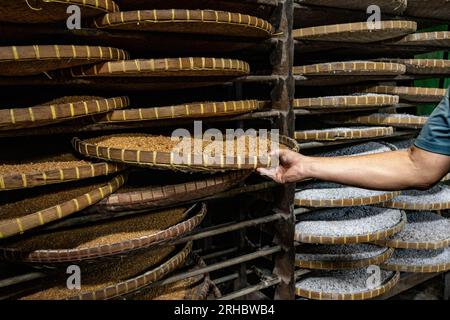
343 264
193 216
369 237
343 101
414 245
36 219
351 68
352 133
367 294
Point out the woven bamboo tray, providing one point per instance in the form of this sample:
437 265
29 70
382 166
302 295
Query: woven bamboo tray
425 39
165 160
371 147
351 68
368 236
424 231
425 66
334 134
60 169
175 260
192 110
320 195
414 94
358 32
192 217
33 60
44 11
169 67
348 256
358 276
187 21
168 195
346 102
30 220
435 199
387 6
419 261
434 9
382 119
54 112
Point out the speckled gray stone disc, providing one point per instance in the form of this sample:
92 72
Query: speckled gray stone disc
356 284
436 198
349 225
357 150
331 195
425 230
420 261
340 256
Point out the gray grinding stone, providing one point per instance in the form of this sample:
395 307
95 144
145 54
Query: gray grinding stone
406 257
334 253
348 221
341 281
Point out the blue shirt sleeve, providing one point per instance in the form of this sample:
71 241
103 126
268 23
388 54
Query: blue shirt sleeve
435 136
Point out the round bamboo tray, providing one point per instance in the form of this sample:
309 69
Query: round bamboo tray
53 112
413 94
351 68
166 160
425 39
336 257
21 219
356 150
33 60
169 67
425 66
187 21
59 169
434 9
170 262
186 111
346 102
148 198
334 285
387 6
435 199
351 235
383 119
419 261
334 134
19 251
358 32
45 11
424 231
331 195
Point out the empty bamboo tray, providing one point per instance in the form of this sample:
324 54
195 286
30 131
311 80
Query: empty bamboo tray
349 225
425 39
382 119
354 102
351 68
358 32
387 6
335 257
169 67
345 285
413 94
425 66
331 195
59 110
434 199
51 169
33 60
434 9
29 209
334 134
114 238
419 261
161 152
114 279
44 11
187 21
425 230
152 197
185 111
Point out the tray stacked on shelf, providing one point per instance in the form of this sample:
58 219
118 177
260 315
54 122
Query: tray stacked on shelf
334 236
